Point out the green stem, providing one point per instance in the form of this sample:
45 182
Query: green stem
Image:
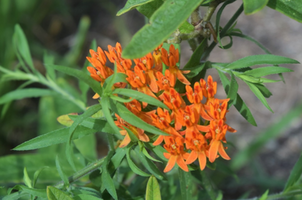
83 172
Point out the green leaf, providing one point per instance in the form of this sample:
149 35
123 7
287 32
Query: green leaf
149 165
153 191
106 178
145 152
265 92
105 105
49 59
295 175
114 78
264 71
131 4
86 197
31 191
239 104
52 138
37 174
260 60
259 95
292 9
264 196
25 93
61 173
26 178
253 6
186 184
186 28
95 86
140 97
133 167
131 118
196 56
267 135
163 22
149 8
232 93
21 46
56 194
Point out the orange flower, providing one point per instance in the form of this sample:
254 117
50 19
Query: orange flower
163 84
135 107
157 58
176 153
208 89
139 133
170 60
114 56
217 131
196 96
198 146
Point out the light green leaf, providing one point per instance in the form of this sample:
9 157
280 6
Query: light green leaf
295 175
260 60
253 6
105 105
21 45
292 9
129 117
163 22
239 104
107 181
56 194
52 138
140 97
86 197
186 28
264 196
153 191
37 174
133 166
131 4
95 86
264 71
25 93
259 95
26 178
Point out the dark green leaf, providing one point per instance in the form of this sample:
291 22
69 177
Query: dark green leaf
129 117
95 86
25 93
239 104
264 71
145 152
294 175
86 197
232 93
153 191
133 167
56 194
106 178
260 60
292 9
265 92
253 6
52 138
49 59
162 24
131 4
196 56
186 184
140 97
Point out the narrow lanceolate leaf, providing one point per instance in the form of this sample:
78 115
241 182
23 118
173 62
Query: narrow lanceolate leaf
264 196
107 180
152 191
253 6
232 94
131 4
264 71
195 58
107 114
140 97
56 194
294 175
60 171
259 95
239 104
260 60
52 138
25 93
133 166
95 86
163 22
292 9
129 117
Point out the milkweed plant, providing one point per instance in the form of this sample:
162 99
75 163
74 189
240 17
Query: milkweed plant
164 125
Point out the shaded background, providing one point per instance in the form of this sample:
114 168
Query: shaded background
53 24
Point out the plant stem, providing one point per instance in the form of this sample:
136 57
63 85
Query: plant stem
110 141
83 172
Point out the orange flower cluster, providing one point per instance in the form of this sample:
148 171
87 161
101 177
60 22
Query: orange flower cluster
196 130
